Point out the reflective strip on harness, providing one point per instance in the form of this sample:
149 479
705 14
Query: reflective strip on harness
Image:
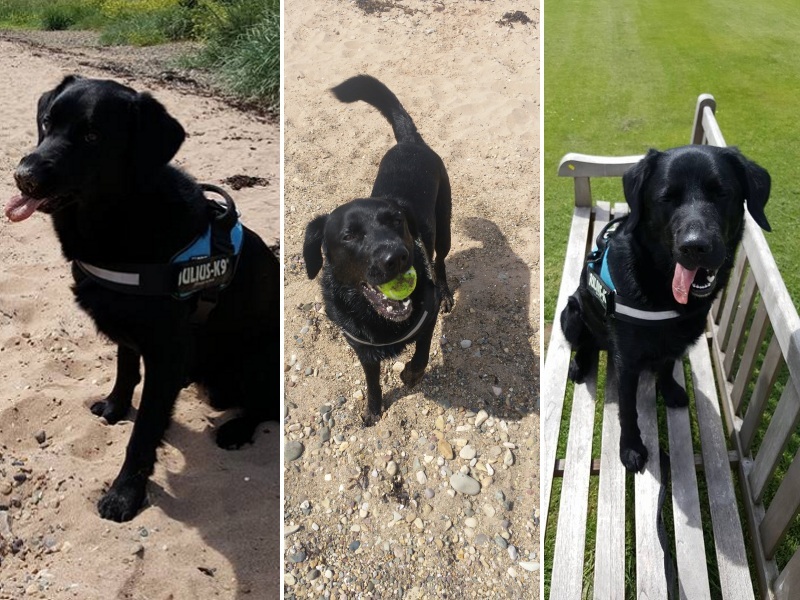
113 276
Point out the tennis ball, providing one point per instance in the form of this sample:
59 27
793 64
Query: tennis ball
401 286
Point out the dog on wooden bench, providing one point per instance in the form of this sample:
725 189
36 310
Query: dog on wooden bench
646 290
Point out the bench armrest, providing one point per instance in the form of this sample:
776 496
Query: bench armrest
586 165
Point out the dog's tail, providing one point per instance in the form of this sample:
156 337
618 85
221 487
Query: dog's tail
372 91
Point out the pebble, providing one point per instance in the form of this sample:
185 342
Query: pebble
422 479
513 554
5 488
290 529
468 453
500 541
496 390
529 566
445 449
465 484
289 579
508 459
41 436
466 344
312 575
358 395
391 468
471 522
325 434
429 493
293 450
297 557
354 545
398 367
481 417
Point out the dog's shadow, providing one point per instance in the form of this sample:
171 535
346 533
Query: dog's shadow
232 499
487 345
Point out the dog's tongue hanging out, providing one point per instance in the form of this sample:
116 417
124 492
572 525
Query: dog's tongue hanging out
20 208
682 283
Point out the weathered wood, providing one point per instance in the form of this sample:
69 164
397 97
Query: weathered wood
690 550
758 330
567 580
698 130
733 460
651 581
731 296
554 377
787 585
783 422
782 510
734 573
739 323
773 362
609 561
587 165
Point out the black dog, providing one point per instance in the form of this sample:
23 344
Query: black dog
667 260
368 242
121 211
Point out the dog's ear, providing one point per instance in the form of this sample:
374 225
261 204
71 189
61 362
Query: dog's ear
633 185
46 101
157 135
411 222
755 182
312 246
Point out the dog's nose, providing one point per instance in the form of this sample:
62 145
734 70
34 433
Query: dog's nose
695 245
26 182
395 260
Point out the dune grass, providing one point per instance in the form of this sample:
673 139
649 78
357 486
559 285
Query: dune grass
241 38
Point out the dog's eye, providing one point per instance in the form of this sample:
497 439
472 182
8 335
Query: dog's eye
348 236
45 123
91 137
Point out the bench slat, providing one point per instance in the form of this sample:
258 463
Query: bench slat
787 585
782 510
690 552
731 296
567 582
757 332
773 362
609 562
651 581
781 426
734 573
554 378
739 323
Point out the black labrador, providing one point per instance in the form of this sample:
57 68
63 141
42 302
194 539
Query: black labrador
370 241
664 266
101 171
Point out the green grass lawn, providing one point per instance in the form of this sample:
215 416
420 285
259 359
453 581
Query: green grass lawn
621 77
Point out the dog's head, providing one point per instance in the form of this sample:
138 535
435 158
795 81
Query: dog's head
366 243
688 203
94 135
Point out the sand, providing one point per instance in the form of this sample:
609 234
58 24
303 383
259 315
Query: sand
212 526
369 511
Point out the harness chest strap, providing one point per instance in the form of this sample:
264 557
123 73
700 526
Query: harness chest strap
602 288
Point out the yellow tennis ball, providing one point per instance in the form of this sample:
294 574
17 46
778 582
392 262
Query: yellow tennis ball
401 286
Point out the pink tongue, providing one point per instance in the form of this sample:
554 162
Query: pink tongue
682 282
20 208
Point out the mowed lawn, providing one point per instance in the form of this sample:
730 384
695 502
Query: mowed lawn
623 76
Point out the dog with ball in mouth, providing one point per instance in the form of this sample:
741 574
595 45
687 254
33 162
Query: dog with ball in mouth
383 272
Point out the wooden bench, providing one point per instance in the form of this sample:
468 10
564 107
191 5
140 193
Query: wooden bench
745 379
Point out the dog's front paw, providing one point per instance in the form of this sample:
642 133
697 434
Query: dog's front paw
122 502
111 409
235 433
577 371
447 299
411 377
369 419
633 455
675 396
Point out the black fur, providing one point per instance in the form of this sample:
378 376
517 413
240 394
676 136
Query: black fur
372 240
686 206
102 163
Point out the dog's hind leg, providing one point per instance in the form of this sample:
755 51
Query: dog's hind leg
442 245
674 395
164 378
632 451
580 339
117 404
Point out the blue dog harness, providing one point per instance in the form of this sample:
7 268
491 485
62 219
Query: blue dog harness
601 286
205 267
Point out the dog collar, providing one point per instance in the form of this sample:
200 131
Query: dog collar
207 263
601 286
